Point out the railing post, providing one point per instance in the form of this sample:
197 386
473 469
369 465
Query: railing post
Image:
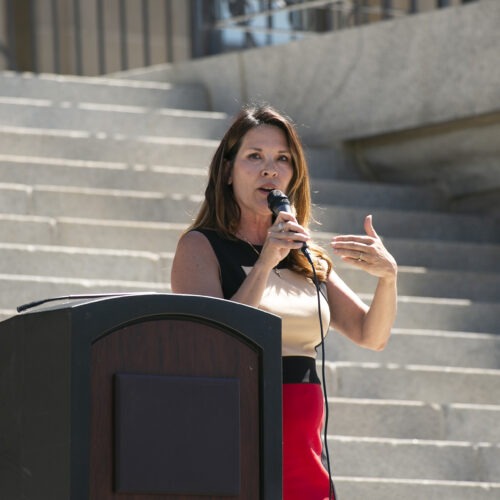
386 9
146 45
56 42
101 37
32 36
19 24
270 22
123 34
205 39
11 36
78 37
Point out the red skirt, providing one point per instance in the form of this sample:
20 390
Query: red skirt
304 476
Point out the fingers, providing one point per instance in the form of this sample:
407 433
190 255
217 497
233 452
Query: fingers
354 254
371 234
288 227
357 249
287 231
368 225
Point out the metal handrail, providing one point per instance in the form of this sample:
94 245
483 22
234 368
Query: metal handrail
345 6
335 4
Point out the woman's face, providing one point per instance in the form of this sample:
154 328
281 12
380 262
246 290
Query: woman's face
263 163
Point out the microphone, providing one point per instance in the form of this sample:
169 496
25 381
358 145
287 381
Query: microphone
277 201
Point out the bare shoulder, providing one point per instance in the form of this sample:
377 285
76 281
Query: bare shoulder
195 268
193 241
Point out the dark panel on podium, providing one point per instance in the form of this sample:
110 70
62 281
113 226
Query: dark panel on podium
188 426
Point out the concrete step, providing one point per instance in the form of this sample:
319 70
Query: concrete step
15 169
103 147
97 203
422 347
431 384
60 88
88 263
16 289
134 150
415 459
92 233
331 163
112 118
398 419
410 224
446 314
361 488
447 255
423 282
374 194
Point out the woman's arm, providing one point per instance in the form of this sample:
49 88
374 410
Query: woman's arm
367 326
195 269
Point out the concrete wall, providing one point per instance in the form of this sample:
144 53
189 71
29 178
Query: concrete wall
417 98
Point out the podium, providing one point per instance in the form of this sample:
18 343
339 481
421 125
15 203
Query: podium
141 397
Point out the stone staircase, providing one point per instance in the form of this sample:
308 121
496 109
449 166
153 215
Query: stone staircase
98 177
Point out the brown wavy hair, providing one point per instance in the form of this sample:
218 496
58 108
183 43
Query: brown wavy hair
220 211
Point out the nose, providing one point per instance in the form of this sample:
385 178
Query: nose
269 169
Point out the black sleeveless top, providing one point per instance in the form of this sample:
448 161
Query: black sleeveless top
233 257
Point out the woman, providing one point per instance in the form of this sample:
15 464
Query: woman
238 250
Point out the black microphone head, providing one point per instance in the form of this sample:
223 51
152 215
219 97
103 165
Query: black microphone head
277 201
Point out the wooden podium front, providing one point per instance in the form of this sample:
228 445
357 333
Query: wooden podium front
150 396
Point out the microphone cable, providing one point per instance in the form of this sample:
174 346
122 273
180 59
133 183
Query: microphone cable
278 202
332 495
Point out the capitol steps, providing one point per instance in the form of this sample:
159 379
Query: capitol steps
101 90
99 177
158 205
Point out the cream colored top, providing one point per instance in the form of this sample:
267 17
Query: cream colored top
293 297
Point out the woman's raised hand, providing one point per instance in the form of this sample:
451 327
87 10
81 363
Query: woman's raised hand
366 252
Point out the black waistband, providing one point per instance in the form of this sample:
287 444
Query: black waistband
299 370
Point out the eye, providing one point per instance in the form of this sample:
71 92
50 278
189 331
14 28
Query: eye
284 158
254 156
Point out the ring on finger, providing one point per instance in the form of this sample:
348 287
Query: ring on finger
359 257
281 227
